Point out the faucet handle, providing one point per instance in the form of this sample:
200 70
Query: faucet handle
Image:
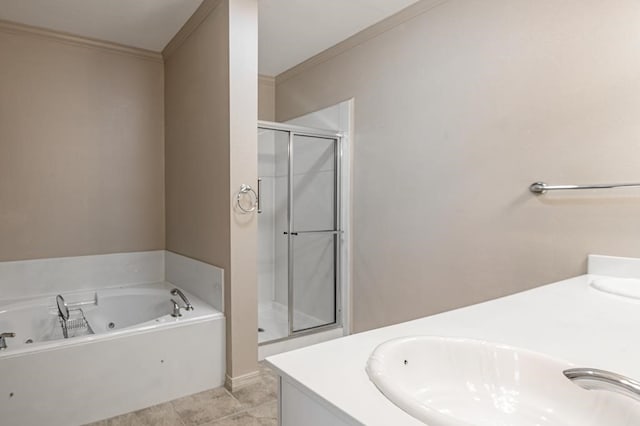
4 335
176 309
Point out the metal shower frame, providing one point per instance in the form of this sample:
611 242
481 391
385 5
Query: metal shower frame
337 137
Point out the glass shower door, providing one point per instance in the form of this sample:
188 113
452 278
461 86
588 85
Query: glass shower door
313 234
298 231
273 250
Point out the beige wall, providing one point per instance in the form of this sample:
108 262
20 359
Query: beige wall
266 98
197 142
81 157
242 296
211 108
457 111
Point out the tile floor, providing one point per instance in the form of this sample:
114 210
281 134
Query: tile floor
254 405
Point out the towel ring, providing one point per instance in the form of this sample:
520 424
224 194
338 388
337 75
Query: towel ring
244 190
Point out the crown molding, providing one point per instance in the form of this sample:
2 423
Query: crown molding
201 13
265 79
75 40
363 36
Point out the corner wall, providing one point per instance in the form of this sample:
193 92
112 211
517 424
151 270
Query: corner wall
211 149
457 110
243 104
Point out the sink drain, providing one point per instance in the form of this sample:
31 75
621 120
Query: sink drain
111 325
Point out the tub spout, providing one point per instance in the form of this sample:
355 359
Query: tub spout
591 378
3 337
177 292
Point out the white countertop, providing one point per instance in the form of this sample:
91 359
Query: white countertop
568 320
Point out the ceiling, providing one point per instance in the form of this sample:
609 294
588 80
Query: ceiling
290 31
147 24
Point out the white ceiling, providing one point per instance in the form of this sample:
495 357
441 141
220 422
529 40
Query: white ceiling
148 24
292 31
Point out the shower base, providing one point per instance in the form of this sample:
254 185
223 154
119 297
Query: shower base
273 320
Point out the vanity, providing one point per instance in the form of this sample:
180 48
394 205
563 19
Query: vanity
589 321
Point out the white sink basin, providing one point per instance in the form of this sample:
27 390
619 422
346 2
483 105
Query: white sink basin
448 381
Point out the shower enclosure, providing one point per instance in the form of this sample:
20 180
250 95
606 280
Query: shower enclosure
299 230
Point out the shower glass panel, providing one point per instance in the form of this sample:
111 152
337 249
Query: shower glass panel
314 238
273 258
298 230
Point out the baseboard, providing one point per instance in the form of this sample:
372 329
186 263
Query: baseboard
234 383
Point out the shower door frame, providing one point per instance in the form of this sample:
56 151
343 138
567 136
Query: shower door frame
293 131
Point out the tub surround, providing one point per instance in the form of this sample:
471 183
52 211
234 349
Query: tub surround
32 278
199 278
567 320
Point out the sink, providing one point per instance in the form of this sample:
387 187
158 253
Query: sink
625 287
464 382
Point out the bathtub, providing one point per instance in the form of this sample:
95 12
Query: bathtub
127 353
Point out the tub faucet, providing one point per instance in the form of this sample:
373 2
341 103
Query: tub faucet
3 342
177 292
591 378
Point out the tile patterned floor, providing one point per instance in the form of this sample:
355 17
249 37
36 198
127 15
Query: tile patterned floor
254 405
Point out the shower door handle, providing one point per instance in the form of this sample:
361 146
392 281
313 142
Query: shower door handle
314 232
259 197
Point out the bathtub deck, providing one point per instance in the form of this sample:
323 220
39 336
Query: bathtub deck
254 404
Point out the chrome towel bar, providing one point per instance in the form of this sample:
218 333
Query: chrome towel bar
541 187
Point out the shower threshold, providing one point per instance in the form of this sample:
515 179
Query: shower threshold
274 323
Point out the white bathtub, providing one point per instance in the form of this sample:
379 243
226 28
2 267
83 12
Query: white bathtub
133 354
